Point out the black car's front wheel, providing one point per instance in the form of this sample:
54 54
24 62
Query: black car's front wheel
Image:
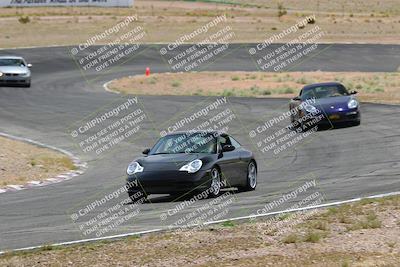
251 178
215 185
137 196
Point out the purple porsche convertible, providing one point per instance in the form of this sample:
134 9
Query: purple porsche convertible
325 103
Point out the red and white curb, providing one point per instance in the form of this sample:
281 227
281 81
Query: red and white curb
80 168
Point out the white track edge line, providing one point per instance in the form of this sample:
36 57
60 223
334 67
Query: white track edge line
75 159
37 143
336 203
105 86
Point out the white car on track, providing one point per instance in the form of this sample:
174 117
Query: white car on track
14 71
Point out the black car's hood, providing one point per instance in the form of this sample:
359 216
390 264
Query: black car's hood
164 162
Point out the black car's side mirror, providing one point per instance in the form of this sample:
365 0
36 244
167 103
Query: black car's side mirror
227 148
146 151
353 92
296 98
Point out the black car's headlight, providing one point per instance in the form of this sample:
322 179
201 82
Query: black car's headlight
192 166
352 103
1 74
133 168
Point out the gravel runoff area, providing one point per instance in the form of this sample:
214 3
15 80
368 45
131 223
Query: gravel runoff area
372 86
367 21
365 233
22 162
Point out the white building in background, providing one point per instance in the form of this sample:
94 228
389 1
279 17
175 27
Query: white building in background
31 3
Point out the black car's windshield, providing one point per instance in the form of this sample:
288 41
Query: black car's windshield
185 143
11 62
324 91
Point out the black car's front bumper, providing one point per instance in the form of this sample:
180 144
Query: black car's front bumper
169 182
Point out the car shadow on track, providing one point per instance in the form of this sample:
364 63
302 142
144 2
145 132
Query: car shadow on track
336 126
12 86
180 198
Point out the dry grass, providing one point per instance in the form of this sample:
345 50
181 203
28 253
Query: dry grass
21 162
372 87
246 244
165 21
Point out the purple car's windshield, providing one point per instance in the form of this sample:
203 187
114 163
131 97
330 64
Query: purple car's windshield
185 143
15 62
324 91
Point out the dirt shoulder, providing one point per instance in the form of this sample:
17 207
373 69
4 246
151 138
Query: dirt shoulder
365 233
21 162
166 21
372 87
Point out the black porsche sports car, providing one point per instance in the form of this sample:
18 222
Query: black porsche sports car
193 162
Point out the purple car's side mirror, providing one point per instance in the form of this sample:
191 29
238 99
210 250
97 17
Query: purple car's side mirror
353 92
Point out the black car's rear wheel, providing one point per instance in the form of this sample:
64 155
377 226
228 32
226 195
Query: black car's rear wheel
251 179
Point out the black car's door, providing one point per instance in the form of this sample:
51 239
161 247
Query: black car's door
241 166
230 162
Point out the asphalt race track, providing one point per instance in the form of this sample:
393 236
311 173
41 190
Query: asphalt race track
347 162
